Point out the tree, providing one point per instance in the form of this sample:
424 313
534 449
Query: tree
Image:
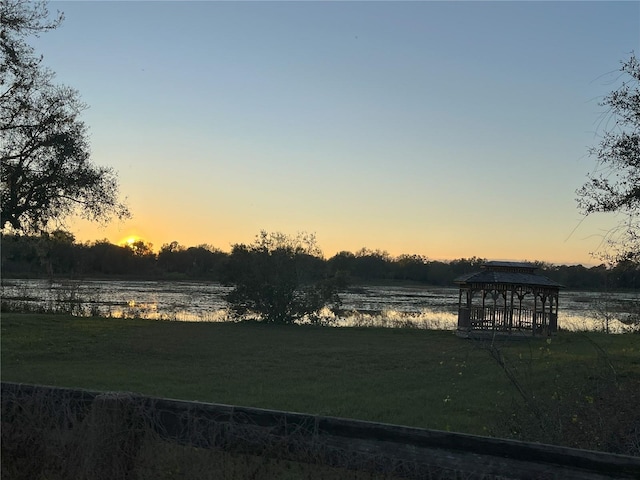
411 267
46 170
615 184
280 279
59 252
372 264
172 258
140 248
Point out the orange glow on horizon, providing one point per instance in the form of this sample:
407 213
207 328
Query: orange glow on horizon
428 244
130 240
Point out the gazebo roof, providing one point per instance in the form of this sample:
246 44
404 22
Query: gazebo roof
514 273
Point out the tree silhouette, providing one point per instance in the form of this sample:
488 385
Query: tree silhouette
46 171
279 278
615 184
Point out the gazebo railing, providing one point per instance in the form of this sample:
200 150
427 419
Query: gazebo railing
492 318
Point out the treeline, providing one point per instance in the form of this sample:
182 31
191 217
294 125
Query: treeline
59 255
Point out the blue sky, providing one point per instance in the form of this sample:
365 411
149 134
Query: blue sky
446 129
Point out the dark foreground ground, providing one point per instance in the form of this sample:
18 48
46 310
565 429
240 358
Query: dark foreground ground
575 389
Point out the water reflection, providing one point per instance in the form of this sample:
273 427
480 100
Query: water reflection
380 306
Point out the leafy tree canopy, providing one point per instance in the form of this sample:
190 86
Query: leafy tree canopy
614 186
46 174
277 279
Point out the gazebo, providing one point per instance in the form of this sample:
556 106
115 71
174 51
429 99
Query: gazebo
507 297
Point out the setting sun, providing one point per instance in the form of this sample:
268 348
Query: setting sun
130 240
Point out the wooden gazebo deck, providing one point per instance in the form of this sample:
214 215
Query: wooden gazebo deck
507 297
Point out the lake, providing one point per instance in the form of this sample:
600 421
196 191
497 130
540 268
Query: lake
391 306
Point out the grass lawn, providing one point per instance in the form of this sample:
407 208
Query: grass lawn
422 378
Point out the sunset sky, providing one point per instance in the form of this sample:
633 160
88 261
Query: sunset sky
447 130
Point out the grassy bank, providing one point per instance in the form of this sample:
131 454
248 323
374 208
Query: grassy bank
422 378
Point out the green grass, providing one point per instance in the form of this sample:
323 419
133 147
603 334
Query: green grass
422 378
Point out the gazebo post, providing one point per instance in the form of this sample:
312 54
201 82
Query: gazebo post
511 310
